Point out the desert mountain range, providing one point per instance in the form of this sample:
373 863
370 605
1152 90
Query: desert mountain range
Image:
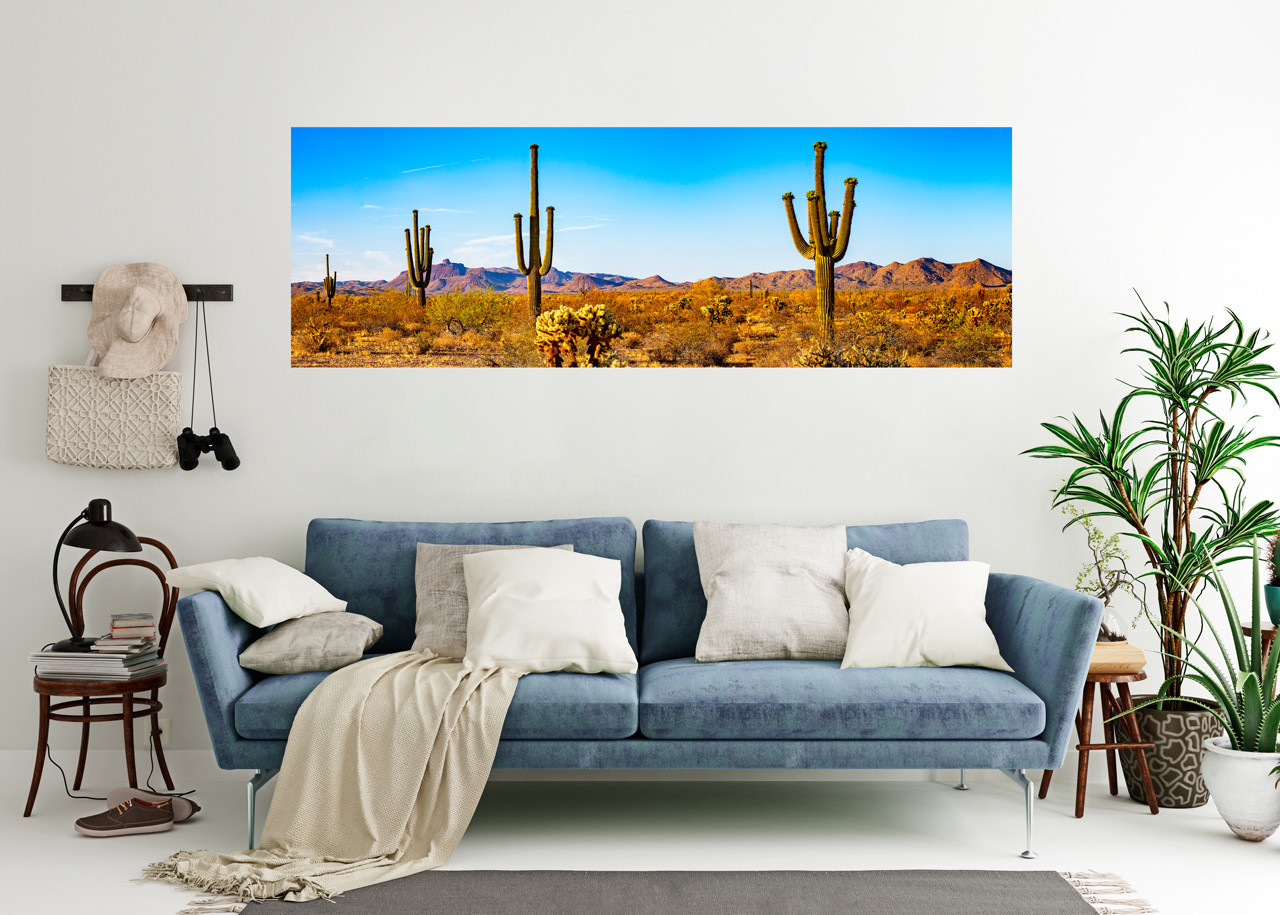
923 272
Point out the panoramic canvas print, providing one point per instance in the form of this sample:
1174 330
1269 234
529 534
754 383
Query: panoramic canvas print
843 247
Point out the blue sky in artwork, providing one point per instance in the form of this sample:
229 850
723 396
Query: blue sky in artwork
684 203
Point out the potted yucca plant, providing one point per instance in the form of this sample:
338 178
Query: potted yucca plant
1175 481
1237 767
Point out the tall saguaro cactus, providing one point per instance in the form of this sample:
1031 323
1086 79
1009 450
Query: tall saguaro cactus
536 268
828 240
330 282
418 252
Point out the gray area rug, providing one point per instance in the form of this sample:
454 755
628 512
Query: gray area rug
898 892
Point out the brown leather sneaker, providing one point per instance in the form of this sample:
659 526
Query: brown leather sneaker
133 816
183 808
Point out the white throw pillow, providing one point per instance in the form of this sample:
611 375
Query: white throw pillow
925 614
259 590
543 609
772 591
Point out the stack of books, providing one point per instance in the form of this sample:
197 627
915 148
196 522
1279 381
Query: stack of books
107 659
133 626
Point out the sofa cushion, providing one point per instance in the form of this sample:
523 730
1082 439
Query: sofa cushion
370 564
816 700
551 706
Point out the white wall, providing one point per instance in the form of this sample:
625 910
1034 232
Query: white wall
1145 137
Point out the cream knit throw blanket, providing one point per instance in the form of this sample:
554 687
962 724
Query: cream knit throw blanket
385 764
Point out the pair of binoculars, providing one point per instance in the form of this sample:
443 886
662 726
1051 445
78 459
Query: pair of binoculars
191 446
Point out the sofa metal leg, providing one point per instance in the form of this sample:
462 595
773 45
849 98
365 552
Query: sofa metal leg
260 778
1028 790
962 786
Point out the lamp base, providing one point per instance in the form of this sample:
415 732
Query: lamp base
76 643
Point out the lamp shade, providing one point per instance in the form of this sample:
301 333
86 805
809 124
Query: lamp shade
99 532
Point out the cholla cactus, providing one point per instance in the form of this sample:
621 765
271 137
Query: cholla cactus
597 327
556 333
559 330
717 311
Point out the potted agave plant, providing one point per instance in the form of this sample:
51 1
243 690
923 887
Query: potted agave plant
1175 481
1236 767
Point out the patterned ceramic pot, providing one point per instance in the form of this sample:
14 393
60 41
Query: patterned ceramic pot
1243 788
1175 762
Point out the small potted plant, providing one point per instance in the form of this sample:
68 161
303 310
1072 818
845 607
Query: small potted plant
1237 766
1103 576
1272 590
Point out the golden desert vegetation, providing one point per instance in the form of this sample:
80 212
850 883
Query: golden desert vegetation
702 325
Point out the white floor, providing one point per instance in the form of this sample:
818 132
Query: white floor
1185 861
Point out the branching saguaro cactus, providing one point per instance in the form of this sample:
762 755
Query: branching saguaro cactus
828 239
537 267
330 282
418 252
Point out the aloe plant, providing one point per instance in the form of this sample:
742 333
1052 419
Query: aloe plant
1168 480
1244 686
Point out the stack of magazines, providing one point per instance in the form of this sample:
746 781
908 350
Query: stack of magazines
107 659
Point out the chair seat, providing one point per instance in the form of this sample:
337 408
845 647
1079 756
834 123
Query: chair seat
816 700
551 706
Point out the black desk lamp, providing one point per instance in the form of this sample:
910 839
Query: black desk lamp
98 532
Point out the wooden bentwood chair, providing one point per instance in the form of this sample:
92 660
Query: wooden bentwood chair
105 692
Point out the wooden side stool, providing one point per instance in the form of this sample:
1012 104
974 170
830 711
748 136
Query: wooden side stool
1111 705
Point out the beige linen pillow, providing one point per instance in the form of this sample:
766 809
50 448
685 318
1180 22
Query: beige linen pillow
772 591
321 641
537 610
925 614
441 627
259 590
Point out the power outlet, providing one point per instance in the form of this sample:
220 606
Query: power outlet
164 731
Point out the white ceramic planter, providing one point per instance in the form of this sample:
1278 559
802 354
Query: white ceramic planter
1243 788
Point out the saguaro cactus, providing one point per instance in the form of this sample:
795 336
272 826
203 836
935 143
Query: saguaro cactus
536 268
827 242
418 252
330 282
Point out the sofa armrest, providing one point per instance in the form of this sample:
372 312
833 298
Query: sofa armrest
214 637
1046 633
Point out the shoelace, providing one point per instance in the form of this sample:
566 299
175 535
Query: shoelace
121 808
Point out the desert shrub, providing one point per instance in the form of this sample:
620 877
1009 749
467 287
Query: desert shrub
389 335
421 342
318 335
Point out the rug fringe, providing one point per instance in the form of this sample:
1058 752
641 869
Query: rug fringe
1109 894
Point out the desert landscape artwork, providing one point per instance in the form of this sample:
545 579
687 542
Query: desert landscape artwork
844 247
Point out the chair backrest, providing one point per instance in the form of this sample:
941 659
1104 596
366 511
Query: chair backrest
76 588
370 564
675 605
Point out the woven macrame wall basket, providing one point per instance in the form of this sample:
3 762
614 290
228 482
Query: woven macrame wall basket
117 424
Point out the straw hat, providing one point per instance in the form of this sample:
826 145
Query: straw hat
137 310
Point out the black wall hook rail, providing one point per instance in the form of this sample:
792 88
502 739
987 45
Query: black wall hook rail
83 292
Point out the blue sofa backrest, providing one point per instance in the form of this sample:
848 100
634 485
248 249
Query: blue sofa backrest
370 564
675 606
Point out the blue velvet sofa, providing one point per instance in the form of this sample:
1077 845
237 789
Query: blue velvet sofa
676 713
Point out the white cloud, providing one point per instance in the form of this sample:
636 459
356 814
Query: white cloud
371 206
378 257
316 240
